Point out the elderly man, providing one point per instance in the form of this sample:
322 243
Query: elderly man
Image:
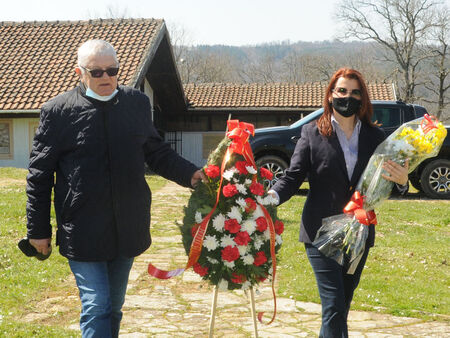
96 138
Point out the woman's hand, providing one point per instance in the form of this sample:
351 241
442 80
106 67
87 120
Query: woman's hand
396 173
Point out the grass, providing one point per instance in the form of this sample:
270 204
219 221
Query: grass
407 272
26 281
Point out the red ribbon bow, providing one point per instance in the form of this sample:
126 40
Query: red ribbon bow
355 207
428 123
239 133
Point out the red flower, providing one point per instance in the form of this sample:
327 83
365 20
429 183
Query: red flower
261 278
279 227
229 190
212 171
260 258
201 270
266 173
257 188
240 165
194 229
261 224
242 238
230 253
232 225
251 205
238 279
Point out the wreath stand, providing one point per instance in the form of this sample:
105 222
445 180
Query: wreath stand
214 307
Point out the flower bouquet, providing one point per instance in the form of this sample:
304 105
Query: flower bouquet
236 251
343 237
230 230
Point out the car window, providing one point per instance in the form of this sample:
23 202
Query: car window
386 116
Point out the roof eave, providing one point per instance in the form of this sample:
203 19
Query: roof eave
194 109
148 57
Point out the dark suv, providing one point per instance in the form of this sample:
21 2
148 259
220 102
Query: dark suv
273 147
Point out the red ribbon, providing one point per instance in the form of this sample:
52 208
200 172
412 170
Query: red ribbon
239 133
355 207
428 123
274 263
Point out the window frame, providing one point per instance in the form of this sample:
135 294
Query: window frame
10 155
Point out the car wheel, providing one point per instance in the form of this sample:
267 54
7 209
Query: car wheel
435 179
276 165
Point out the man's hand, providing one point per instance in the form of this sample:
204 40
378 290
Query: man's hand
43 246
397 173
198 176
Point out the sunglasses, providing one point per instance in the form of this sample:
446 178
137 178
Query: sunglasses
344 91
99 72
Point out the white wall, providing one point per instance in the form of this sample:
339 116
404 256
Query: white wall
148 90
193 147
22 139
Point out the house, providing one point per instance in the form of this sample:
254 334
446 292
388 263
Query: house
262 104
37 62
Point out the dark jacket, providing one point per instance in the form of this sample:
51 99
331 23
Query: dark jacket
321 159
98 151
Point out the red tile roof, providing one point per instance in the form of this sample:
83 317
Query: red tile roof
268 95
37 59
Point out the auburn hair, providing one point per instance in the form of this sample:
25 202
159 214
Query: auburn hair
365 112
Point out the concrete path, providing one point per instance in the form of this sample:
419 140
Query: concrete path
180 307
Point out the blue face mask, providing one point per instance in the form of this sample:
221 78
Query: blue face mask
94 95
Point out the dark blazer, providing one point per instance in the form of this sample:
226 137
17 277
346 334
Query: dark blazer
98 152
321 159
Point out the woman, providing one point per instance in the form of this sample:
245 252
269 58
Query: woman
333 152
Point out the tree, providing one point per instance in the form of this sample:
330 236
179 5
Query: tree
400 26
439 77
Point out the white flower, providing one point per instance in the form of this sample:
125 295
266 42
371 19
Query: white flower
228 174
251 169
235 213
223 285
228 264
241 203
270 200
226 241
219 222
242 249
210 242
236 180
266 234
248 259
258 213
258 243
247 181
212 260
260 200
198 217
271 270
241 188
246 285
249 225
278 239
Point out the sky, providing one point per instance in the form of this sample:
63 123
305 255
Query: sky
229 22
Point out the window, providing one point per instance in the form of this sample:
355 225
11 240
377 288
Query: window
32 127
387 117
6 139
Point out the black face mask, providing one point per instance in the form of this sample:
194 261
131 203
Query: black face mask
346 106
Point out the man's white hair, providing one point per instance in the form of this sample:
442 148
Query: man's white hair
95 47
